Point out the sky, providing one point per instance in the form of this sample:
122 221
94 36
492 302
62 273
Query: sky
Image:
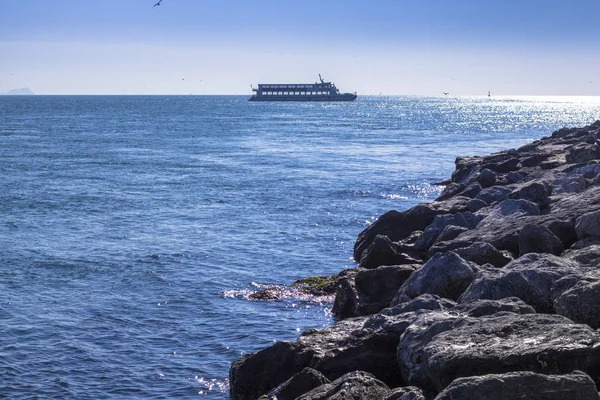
393 47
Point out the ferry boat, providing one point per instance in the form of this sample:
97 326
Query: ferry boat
318 91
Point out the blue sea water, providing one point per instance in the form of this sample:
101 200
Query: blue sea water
133 227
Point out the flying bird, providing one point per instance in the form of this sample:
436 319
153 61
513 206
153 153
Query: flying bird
446 93
157 4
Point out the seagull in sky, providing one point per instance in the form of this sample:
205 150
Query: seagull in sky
446 93
157 4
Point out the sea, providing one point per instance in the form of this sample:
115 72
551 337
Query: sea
134 228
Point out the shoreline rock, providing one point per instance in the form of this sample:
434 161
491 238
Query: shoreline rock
494 287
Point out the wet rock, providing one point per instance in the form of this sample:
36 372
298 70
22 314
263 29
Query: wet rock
354 385
538 239
549 344
484 253
522 385
399 225
445 274
383 252
268 293
376 287
588 224
297 385
530 278
318 285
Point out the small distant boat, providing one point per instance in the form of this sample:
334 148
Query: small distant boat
318 91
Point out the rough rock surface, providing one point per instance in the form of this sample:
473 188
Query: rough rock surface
538 239
446 275
490 290
334 351
522 385
499 343
384 252
406 393
376 287
581 302
297 385
352 386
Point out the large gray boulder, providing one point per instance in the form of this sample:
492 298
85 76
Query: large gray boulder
538 239
581 302
356 385
493 194
418 328
588 224
484 253
487 178
531 278
445 274
536 192
522 385
376 287
500 343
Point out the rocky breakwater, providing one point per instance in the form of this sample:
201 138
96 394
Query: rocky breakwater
492 291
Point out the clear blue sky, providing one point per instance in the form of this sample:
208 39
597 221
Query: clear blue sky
466 47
